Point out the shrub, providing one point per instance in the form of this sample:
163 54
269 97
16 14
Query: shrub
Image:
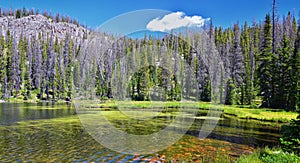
269 156
278 157
290 140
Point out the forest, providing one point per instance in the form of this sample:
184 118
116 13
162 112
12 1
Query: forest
209 93
261 63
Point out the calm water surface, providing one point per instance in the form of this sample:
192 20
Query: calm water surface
53 133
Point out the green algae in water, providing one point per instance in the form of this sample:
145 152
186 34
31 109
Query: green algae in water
66 140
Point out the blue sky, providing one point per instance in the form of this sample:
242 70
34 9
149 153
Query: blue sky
94 12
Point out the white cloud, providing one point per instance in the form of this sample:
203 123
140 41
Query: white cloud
175 20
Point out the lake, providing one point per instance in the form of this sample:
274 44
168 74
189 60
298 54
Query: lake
47 132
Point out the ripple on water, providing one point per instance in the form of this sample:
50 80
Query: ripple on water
65 140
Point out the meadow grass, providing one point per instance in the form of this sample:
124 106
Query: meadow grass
275 155
239 111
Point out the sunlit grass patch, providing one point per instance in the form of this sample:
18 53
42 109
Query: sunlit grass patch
261 114
269 155
243 112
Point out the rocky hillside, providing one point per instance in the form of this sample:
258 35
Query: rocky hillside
30 25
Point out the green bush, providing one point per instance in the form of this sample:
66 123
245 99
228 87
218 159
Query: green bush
290 140
269 156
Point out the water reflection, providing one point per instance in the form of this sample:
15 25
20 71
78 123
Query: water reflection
248 132
14 112
58 136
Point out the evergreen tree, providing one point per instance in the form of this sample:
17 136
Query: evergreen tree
22 47
28 73
59 68
264 60
282 78
2 65
238 67
230 92
69 68
9 51
260 62
248 59
15 69
37 64
50 69
226 58
18 14
295 75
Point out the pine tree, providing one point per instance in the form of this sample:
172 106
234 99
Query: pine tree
28 73
15 69
264 71
295 74
248 58
254 51
282 78
99 79
8 80
18 14
69 68
226 58
238 67
2 65
176 86
37 64
22 47
230 92
50 69
24 12
59 68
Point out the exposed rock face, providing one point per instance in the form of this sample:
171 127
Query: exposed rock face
30 26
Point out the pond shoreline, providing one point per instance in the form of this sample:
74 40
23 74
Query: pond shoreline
255 119
230 139
241 112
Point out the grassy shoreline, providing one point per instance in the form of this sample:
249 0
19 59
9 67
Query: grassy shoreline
243 112
239 111
264 115
275 155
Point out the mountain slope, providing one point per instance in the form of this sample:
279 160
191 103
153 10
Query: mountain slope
31 25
